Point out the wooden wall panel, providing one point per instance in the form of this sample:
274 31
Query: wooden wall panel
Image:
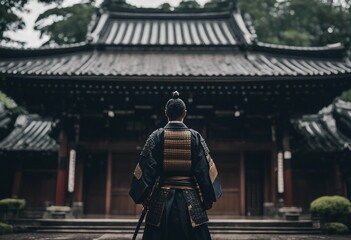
309 185
121 203
123 165
95 184
37 187
228 166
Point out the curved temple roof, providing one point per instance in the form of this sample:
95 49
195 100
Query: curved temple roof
172 29
321 131
111 63
31 133
5 120
143 43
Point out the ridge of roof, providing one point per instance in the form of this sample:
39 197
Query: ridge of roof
224 5
71 45
171 14
13 52
336 50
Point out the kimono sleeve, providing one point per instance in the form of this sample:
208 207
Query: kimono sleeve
206 173
145 172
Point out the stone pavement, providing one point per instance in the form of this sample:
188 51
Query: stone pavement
84 236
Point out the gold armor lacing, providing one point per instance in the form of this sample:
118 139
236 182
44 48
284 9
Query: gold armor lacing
177 151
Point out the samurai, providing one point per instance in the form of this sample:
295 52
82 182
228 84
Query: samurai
176 179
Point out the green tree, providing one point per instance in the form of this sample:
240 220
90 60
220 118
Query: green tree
70 24
263 14
290 22
116 4
10 19
188 4
165 7
10 104
300 22
212 4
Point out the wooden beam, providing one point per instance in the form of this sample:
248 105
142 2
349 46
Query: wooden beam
220 146
134 146
118 147
108 183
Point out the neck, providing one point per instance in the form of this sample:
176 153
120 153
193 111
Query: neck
175 121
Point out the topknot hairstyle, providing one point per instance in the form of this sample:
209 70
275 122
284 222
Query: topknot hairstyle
175 95
175 107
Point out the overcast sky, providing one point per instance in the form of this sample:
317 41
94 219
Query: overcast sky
32 38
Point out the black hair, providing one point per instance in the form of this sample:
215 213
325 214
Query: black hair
175 107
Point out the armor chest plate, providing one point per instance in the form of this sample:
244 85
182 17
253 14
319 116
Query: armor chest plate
177 152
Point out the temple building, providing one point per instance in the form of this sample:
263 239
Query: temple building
326 143
99 100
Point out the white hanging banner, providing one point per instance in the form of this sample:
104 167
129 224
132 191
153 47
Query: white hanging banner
71 170
280 173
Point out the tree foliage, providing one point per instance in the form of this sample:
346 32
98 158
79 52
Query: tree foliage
188 4
68 25
300 22
10 104
289 22
116 4
165 7
10 19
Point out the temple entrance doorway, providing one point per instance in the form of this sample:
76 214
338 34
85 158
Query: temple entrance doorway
95 183
256 168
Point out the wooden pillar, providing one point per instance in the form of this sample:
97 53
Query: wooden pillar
17 181
108 183
267 182
78 193
274 166
242 184
288 193
62 170
79 170
339 188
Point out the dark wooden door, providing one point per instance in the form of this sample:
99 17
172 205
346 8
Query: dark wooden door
254 182
309 185
38 187
95 183
228 166
123 165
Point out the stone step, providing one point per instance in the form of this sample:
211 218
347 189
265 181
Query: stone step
133 227
133 222
127 226
239 231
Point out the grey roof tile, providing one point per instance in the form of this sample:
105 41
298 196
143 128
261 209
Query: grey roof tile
217 28
322 133
31 133
170 63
